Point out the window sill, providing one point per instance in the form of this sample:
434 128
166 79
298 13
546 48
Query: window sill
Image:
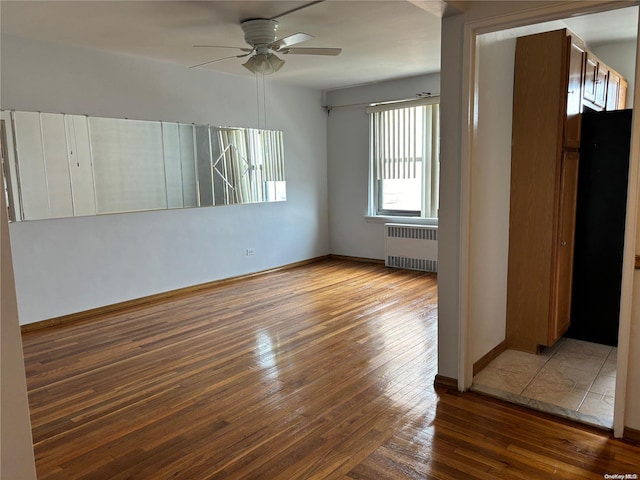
403 220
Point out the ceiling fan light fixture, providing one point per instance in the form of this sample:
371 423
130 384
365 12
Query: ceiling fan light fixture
276 62
264 63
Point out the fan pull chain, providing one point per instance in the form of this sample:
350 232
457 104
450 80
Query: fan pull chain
258 98
262 116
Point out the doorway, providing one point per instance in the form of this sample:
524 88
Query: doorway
489 170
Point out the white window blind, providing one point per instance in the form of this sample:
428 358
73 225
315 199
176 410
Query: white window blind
405 145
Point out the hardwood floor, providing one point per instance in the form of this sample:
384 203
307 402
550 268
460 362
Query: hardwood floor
322 371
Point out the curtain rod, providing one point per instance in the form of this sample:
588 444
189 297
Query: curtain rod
383 102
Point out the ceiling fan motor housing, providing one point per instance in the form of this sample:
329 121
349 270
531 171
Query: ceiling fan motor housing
260 31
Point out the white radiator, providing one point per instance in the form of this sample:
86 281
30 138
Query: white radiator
414 247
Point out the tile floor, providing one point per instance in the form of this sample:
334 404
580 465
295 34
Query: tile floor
575 379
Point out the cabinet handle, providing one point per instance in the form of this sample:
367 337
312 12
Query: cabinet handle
564 244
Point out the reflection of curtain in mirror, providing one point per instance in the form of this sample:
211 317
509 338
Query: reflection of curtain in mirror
255 150
273 160
242 168
220 167
273 156
234 166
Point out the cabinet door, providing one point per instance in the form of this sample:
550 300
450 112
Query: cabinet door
563 271
622 94
590 77
574 95
602 76
613 91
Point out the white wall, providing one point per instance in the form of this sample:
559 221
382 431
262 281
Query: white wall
69 265
16 444
620 56
490 192
348 163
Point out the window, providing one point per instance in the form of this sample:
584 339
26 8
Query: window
405 159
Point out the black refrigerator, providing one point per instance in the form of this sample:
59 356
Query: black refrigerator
600 224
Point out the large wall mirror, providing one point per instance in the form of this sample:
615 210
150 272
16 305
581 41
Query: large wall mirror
59 165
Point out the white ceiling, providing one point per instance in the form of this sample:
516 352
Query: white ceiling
597 29
381 39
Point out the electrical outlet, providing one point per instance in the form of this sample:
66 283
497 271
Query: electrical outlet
251 251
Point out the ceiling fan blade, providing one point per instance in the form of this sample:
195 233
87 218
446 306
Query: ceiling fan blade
297 9
312 51
290 40
220 60
244 49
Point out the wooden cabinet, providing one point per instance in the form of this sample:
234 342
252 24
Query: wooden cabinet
616 91
622 95
590 78
595 82
602 76
603 87
544 163
555 77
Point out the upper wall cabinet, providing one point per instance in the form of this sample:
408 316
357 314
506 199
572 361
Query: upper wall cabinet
616 91
604 88
60 165
590 78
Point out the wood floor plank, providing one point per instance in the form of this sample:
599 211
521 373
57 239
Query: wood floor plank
323 371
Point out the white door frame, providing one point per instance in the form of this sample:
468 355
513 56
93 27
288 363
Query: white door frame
536 15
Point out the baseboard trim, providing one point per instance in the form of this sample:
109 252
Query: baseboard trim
356 259
155 298
489 357
632 435
445 382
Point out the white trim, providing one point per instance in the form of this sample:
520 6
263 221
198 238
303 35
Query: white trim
371 187
502 22
399 219
545 13
628 264
465 364
394 155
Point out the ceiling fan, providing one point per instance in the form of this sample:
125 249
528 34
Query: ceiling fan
263 44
